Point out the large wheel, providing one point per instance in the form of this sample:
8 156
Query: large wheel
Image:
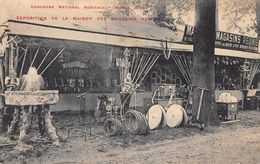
185 118
174 115
155 116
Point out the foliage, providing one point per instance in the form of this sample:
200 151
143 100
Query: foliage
236 16
175 8
165 20
181 7
240 15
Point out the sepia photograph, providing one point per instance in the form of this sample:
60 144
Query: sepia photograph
129 81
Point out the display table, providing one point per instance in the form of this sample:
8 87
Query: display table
237 93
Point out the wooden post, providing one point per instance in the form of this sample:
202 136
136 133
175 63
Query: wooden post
258 17
203 61
25 124
49 127
15 122
11 63
41 121
2 75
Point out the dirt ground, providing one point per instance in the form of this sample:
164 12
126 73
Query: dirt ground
237 142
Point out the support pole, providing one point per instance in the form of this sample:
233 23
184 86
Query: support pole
203 70
35 57
15 122
44 59
25 125
41 120
25 54
52 61
11 64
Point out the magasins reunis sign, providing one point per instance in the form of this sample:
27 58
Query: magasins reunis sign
227 40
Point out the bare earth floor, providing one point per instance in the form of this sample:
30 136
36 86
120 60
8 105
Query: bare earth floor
237 142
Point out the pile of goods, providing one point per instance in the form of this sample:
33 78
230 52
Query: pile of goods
172 115
227 106
226 98
136 122
133 67
132 121
112 127
159 117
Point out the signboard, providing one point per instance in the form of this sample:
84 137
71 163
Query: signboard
227 40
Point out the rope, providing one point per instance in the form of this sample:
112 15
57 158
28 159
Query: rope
136 122
112 127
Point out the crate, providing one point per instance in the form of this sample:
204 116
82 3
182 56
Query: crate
232 108
23 98
222 110
227 110
252 103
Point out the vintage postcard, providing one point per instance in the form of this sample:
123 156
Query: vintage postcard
129 81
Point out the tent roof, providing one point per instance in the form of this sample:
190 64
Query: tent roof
137 33
116 33
120 33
